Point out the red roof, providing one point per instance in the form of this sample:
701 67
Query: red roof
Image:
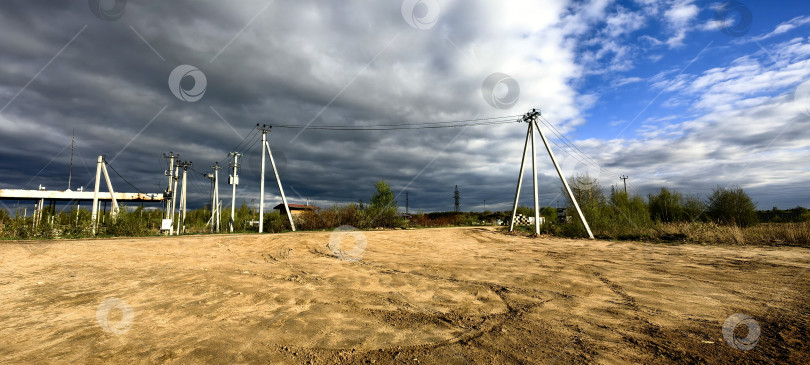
297 207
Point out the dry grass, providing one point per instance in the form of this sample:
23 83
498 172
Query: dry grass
781 234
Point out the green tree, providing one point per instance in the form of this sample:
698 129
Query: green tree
586 190
591 200
666 206
693 208
383 208
732 206
243 217
629 215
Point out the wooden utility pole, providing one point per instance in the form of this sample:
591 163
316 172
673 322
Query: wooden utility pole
624 177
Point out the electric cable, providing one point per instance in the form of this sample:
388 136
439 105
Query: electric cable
122 178
401 126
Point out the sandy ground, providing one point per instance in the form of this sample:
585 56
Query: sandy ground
450 296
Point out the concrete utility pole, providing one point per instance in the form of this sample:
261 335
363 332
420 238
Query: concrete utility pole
215 198
266 147
102 168
234 180
170 173
181 222
624 177
176 174
406 202
531 119
70 171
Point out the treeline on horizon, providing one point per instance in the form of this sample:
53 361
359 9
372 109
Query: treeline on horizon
727 216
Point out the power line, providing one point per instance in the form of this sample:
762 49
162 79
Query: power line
122 178
574 149
246 138
196 181
427 125
240 143
252 146
46 165
403 128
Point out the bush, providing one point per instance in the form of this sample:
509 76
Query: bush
620 216
333 217
127 223
732 206
694 209
274 222
666 206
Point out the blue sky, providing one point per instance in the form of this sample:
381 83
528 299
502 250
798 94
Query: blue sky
651 89
702 48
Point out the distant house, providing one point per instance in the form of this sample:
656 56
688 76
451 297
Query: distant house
296 209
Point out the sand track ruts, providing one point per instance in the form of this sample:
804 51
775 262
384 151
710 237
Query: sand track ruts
449 295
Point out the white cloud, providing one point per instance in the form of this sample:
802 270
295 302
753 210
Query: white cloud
750 131
679 18
623 22
785 27
626 80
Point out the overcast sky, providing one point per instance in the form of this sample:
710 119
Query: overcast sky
677 93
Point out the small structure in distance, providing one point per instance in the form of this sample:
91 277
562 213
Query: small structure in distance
296 209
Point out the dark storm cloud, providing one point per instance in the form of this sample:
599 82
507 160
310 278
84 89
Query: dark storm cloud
110 87
323 63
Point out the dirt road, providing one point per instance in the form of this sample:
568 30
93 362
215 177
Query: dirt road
455 295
